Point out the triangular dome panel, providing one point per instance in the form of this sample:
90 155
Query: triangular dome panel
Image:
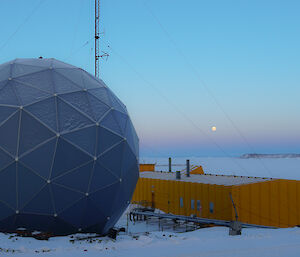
8 186
116 103
110 122
32 133
41 80
69 118
19 69
29 185
5 159
74 213
106 139
5 211
84 138
112 159
98 108
78 179
92 217
132 138
45 111
27 94
73 75
5 71
9 134
122 119
102 94
40 160
41 203
64 197
80 101
5 112
63 85
8 95
99 198
89 82
67 158
101 178
129 160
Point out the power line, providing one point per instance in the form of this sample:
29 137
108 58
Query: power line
174 106
79 49
210 93
22 24
77 25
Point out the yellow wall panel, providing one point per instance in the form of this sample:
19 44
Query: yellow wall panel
292 202
181 196
147 167
227 202
274 203
212 200
194 198
199 197
176 198
172 197
255 211
235 197
187 198
283 204
245 204
218 202
205 201
265 203
298 202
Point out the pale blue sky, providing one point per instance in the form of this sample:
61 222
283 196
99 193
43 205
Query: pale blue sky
246 52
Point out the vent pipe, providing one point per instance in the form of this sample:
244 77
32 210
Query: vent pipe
187 168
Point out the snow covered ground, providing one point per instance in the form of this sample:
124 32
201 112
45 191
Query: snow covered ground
211 242
146 240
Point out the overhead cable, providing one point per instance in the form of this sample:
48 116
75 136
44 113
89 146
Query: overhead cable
210 93
22 24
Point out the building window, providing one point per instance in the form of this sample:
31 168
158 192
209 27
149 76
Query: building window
198 205
192 204
211 207
181 202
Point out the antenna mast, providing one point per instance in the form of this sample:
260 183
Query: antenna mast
97 37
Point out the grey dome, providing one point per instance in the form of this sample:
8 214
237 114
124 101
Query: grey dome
68 149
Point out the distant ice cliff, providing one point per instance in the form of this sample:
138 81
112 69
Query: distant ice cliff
255 155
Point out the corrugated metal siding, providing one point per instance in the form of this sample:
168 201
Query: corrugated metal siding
167 194
270 203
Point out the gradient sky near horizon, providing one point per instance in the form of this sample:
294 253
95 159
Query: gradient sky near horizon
180 67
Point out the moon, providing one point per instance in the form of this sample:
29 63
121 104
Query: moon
213 128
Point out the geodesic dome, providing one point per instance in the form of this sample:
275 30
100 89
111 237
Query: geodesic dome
68 149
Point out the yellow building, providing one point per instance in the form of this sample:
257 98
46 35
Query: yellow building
261 201
147 167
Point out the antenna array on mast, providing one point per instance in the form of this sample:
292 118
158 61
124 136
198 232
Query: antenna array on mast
97 39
